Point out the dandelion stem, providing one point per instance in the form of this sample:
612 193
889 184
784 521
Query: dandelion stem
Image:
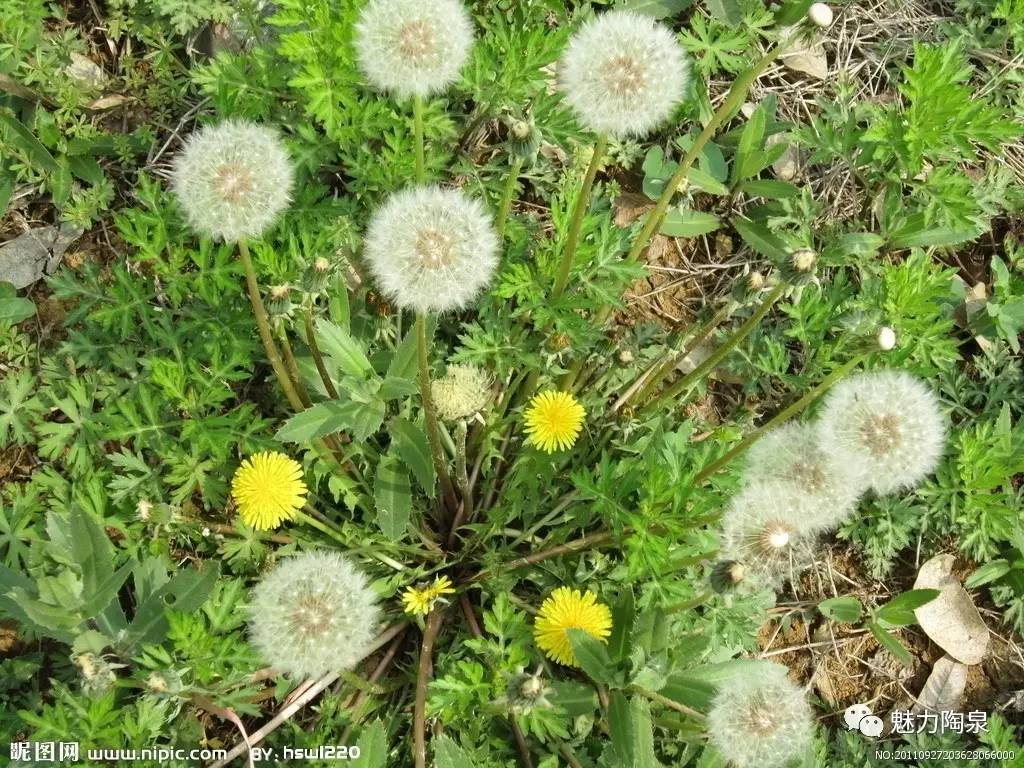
506 197
657 698
417 127
263 326
702 370
732 102
293 370
576 223
419 733
782 416
430 414
318 358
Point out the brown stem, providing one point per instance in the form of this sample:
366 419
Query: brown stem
293 370
356 702
657 698
419 723
590 541
318 358
263 326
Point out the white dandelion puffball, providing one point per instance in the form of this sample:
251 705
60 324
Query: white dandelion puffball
623 74
792 453
431 249
313 613
413 47
887 425
233 180
759 718
771 527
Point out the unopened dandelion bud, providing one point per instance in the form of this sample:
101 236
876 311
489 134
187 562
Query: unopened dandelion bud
318 276
726 574
803 260
279 302
527 692
886 338
313 613
524 137
461 393
820 15
759 718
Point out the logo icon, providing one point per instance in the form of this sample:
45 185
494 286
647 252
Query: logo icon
860 718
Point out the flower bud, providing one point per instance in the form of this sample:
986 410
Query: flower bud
755 281
820 15
886 338
279 303
803 260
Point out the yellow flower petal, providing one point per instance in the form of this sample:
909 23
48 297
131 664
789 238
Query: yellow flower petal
269 489
566 609
553 421
420 600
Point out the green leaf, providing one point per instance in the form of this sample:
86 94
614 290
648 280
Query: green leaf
748 160
987 573
91 550
758 237
448 754
403 364
28 143
791 12
846 609
575 698
13 311
770 188
393 388
361 419
689 691
411 444
657 9
728 11
632 735
373 746
623 615
888 641
900 610
393 497
592 656
687 223
186 592
346 351
706 182
657 172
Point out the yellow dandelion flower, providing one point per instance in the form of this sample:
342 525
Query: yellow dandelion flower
269 489
420 600
566 609
553 421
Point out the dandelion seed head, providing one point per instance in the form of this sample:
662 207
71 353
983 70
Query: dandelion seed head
770 528
623 74
759 718
431 249
312 614
792 453
232 179
887 426
413 47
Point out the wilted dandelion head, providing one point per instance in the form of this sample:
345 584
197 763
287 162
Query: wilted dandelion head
554 420
269 489
623 74
232 180
759 718
462 392
421 598
413 47
770 528
431 249
313 613
887 426
566 609
792 453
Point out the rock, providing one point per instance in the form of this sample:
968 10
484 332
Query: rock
944 688
35 253
951 620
